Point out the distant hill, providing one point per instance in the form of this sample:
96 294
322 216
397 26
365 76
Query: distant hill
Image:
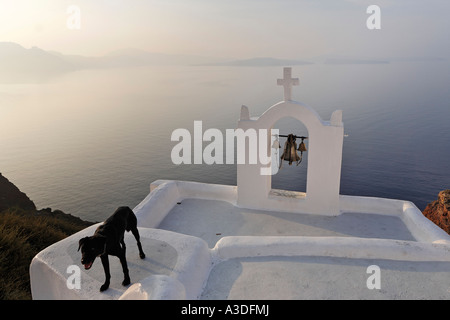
18 64
132 56
336 59
262 61
354 61
21 65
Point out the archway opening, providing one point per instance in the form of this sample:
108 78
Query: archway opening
291 177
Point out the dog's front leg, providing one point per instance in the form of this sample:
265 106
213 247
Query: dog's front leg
105 263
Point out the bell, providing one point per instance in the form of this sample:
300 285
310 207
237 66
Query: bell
302 147
290 152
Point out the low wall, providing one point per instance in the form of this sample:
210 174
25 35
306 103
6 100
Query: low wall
341 247
166 193
48 270
420 227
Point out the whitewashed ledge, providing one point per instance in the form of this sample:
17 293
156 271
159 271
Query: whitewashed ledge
165 194
171 269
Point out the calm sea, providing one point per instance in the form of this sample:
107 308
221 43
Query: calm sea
93 140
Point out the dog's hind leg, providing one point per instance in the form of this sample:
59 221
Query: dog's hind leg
137 237
105 263
132 226
123 261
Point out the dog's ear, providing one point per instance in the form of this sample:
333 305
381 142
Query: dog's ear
81 242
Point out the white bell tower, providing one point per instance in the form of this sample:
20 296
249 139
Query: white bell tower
324 159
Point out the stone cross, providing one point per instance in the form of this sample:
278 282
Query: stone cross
287 82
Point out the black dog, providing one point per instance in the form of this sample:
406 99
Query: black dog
108 240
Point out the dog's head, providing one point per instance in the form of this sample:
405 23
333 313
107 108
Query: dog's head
91 248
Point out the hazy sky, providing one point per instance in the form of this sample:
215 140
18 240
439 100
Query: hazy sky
232 28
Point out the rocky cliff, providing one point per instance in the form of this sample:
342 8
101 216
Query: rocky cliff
438 211
11 196
25 231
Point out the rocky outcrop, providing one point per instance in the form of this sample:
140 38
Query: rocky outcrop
11 196
25 231
438 211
